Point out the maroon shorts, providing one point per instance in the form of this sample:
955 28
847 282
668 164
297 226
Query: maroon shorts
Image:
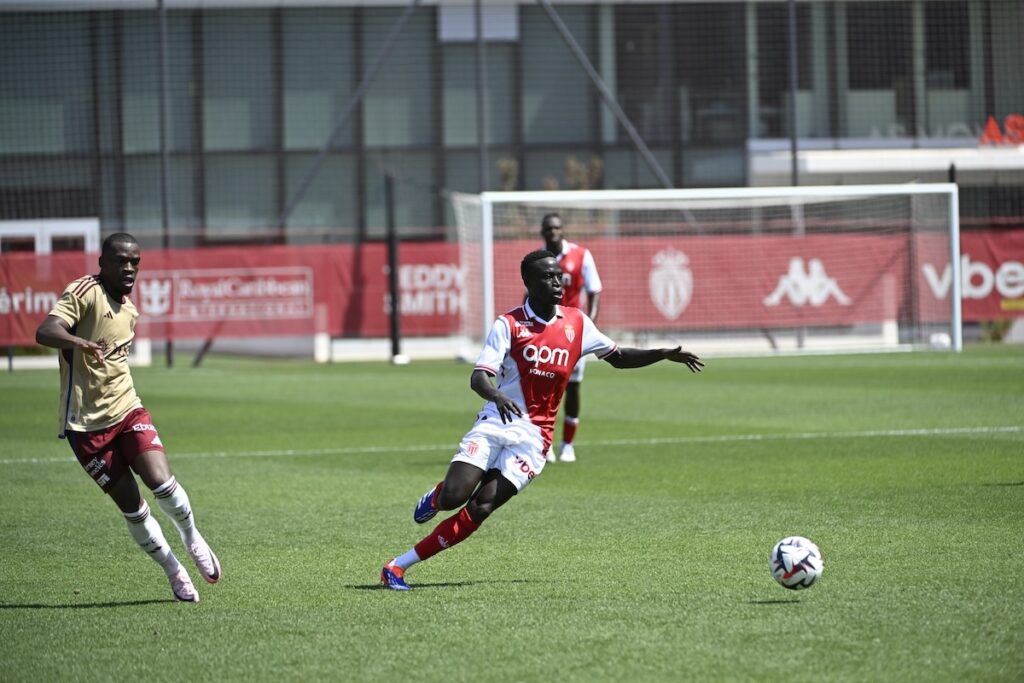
107 454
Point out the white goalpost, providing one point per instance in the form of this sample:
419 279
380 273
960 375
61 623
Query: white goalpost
817 269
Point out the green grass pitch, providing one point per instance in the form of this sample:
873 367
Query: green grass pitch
644 561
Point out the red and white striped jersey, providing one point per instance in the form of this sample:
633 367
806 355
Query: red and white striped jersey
532 359
579 272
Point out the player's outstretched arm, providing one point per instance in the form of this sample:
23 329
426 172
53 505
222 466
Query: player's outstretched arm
626 358
481 383
56 334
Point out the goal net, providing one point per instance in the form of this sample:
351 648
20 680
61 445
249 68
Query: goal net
737 270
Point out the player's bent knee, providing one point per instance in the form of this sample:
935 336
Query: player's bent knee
479 510
452 497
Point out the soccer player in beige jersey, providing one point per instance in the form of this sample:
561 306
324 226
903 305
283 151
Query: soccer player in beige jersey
521 373
102 418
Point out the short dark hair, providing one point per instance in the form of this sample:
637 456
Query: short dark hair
117 238
549 216
532 258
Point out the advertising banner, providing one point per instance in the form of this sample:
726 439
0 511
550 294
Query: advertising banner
699 282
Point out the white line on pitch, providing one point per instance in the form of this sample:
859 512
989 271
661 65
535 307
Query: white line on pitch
668 440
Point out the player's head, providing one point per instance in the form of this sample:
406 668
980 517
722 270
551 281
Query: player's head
551 229
542 276
119 263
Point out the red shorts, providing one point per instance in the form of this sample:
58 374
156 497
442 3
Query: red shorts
107 454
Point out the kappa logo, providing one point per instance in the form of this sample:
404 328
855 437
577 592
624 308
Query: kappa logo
670 283
522 332
806 285
156 296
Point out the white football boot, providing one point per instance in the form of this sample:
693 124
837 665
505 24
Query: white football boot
181 586
567 453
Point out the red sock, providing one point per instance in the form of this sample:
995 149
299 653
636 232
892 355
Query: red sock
569 429
455 529
437 492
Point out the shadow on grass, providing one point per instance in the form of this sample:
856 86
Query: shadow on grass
436 584
789 601
1006 483
84 605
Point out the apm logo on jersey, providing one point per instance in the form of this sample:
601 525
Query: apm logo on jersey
806 285
545 355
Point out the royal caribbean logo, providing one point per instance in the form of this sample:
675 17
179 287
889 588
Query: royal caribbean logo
194 295
156 296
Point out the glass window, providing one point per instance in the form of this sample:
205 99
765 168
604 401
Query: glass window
712 72
879 44
947 48
456 24
240 196
329 203
558 99
626 168
460 94
47 100
238 83
773 64
318 76
879 55
140 97
461 174
399 108
415 197
142 211
714 167
645 69
563 169
57 188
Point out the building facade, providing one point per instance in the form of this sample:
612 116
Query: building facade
192 123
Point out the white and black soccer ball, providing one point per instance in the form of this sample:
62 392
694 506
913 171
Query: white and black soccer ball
796 563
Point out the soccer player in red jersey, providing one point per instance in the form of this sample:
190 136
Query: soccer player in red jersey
102 418
579 274
531 350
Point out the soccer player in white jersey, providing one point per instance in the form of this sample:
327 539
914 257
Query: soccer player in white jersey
531 350
102 418
579 274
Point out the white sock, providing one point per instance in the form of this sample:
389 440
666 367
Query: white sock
173 500
407 559
147 533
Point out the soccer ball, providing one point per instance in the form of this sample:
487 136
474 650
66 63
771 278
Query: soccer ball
796 563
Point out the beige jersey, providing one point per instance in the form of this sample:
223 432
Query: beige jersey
95 395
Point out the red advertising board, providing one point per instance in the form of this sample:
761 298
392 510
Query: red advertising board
252 291
738 281
699 282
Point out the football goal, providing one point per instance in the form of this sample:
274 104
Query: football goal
813 269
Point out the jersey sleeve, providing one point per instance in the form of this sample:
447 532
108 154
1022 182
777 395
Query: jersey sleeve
595 341
496 347
70 307
591 280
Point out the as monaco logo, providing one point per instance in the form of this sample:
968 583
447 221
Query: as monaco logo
156 296
570 333
670 283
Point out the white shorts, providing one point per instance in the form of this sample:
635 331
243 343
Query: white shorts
577 372
516 450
